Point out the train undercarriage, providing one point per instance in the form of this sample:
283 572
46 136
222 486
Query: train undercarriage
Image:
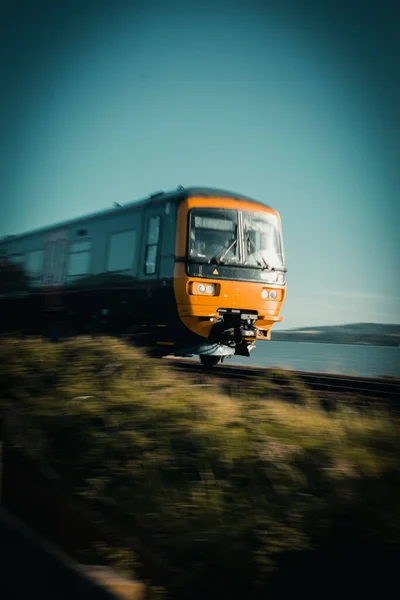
233 333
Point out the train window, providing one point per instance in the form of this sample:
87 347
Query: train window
262 240
214 235
151 260
121 251
34 264
79 258
153 236
154 230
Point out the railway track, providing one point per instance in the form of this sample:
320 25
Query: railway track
375 388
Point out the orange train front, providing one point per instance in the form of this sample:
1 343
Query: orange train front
229 276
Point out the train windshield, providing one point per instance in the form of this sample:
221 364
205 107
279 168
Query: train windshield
223 236
214 235
262 241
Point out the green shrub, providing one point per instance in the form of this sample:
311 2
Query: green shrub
283 384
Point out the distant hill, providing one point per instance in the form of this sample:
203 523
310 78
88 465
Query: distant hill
376 334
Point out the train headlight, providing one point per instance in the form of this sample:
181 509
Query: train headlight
272 294
203 289
210 289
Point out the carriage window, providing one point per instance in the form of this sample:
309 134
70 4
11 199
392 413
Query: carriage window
79 258
153 237
34 264
121 251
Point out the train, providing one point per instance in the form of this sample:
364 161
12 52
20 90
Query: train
190 272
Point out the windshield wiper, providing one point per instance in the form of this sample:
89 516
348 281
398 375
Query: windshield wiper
219 258
263 264
266 267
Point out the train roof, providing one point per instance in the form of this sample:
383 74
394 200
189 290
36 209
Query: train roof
156 198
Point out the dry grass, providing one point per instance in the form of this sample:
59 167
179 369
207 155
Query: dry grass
222 484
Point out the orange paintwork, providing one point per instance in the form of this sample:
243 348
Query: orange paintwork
232 294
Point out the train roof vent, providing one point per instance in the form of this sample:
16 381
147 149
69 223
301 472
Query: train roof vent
161 193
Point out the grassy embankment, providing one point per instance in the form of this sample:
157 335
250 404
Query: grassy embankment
228 496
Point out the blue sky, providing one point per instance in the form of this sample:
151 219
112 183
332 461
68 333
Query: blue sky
293 103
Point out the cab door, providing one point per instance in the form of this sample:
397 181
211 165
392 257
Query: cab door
157 271
54 270
149 309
